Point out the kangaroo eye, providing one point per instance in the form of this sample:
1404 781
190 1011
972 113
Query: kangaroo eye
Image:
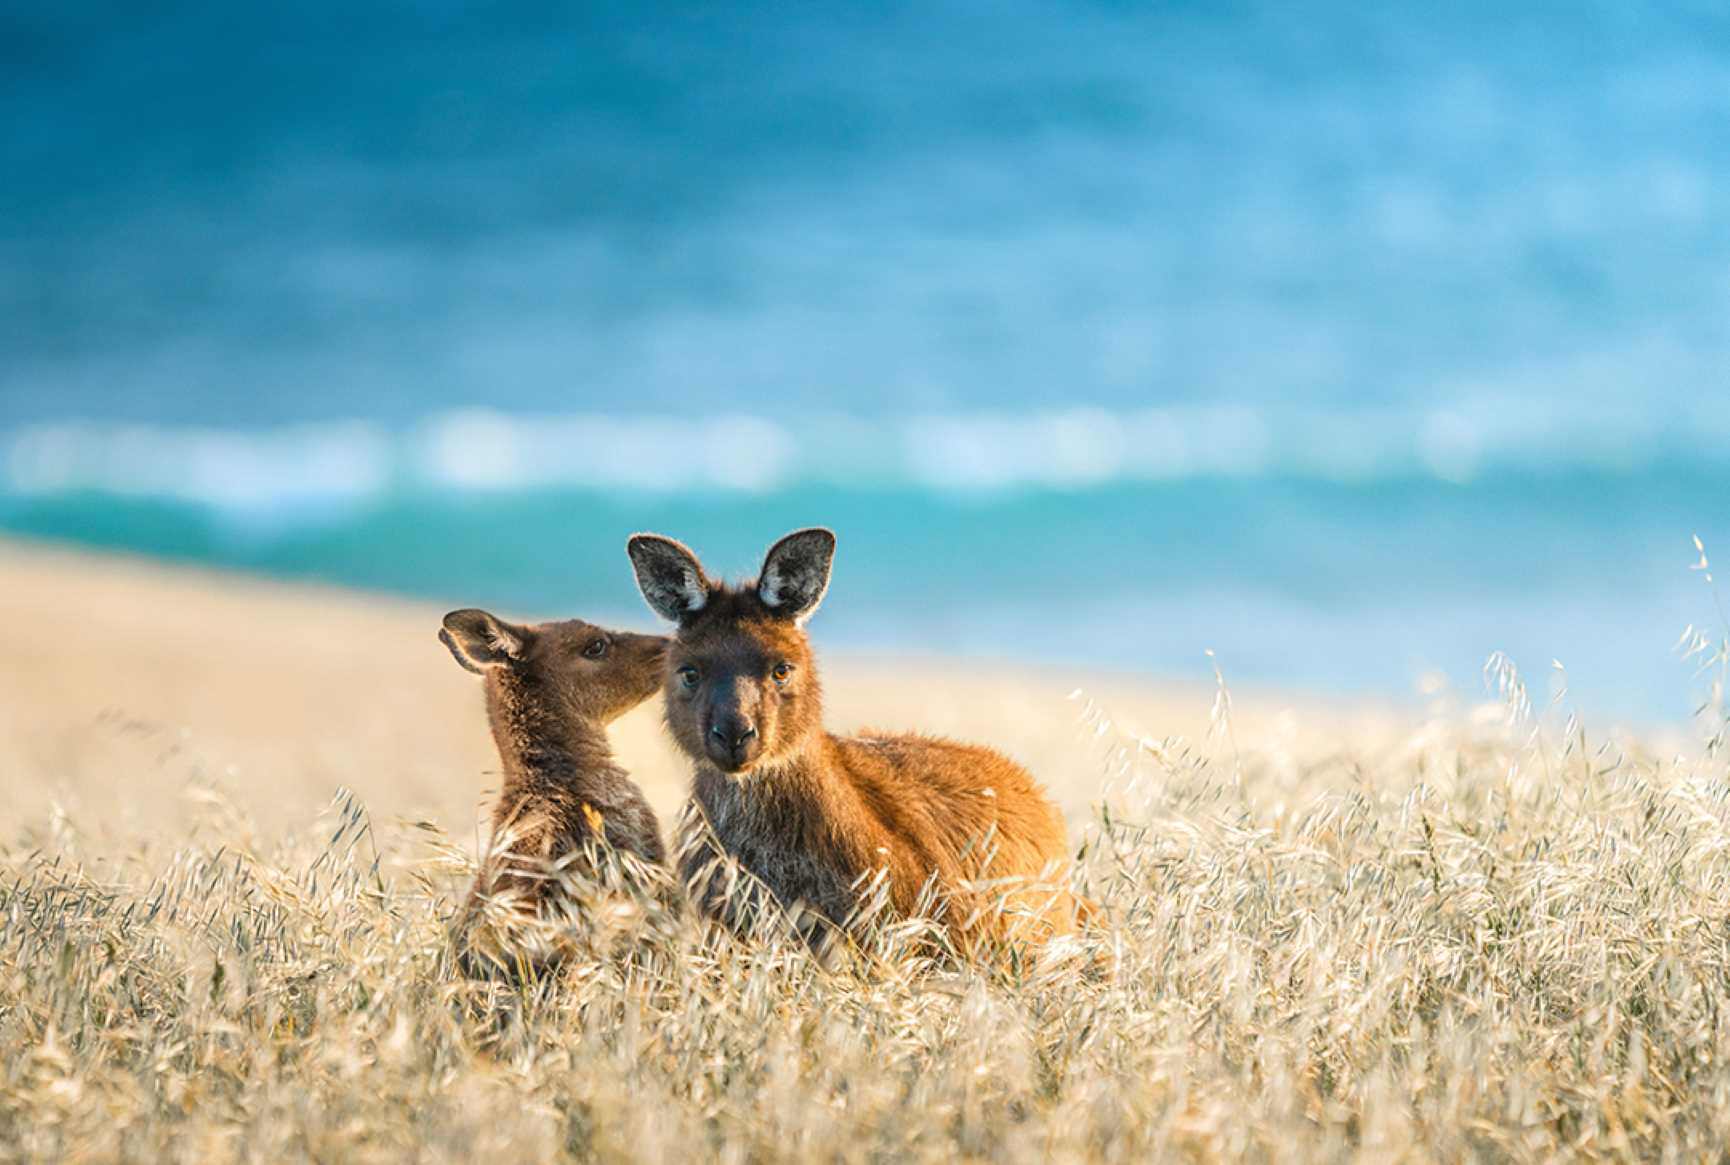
595 650
689 676
782 672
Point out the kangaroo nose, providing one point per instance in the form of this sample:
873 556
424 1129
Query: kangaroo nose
733 735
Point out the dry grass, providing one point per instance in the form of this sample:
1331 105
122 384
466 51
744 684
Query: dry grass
1471 941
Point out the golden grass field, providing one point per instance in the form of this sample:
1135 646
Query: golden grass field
237 818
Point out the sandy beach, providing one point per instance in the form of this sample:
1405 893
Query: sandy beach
131 690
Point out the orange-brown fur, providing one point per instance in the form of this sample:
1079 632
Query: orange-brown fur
810 813
551 691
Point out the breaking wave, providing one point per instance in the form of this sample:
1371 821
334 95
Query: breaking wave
344 463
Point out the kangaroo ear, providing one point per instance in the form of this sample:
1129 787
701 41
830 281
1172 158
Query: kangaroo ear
796 573
478 640
671 578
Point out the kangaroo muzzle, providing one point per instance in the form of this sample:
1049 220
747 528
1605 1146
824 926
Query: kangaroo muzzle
732 742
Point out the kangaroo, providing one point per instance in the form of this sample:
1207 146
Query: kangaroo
813 815
551 691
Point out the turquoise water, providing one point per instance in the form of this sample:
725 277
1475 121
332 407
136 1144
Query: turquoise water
1347 341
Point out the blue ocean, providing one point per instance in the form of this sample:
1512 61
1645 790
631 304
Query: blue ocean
1350 343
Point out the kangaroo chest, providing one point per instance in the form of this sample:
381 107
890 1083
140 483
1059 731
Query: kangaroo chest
782 843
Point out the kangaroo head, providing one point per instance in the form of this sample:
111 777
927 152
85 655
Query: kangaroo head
742 689
586 672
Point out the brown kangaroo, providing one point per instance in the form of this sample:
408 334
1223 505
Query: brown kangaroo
551 691
813 815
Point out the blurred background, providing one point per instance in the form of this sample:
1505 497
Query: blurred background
1352 342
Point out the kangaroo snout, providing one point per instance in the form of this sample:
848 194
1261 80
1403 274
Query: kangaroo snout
732 742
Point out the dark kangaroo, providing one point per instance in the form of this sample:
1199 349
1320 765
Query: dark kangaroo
813 815
551 691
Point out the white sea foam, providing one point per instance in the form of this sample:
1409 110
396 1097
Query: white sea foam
476 449
482 451
229 469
